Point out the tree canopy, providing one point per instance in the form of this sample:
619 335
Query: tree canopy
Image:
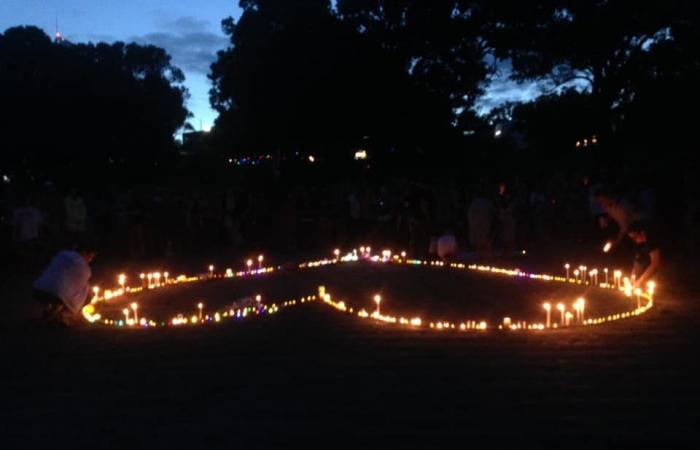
65 103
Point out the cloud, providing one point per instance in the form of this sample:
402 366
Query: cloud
189 41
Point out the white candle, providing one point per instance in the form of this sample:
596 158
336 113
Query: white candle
567 267
122 282
125 311
211 271
135 307
249 263
606 277
260 261
377 300
548 308
166 277
200 306
150 278
562 310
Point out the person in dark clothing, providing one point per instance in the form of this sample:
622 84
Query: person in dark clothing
647 253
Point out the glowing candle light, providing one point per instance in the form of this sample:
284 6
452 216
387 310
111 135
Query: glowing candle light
607 280
618 278
249 263
211 271
608 246
150 278
562 310
547 307
96 292
336 252
258 299
156 278
576 274
638 293
122 282
260 261
568 316
321 291
507 322
378 301
135 307
200 306
165 276
125 311
403 255
567 267
143 279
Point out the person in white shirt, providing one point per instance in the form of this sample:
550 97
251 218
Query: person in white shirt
63 287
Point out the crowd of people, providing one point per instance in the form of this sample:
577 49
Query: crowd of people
487 217
480 220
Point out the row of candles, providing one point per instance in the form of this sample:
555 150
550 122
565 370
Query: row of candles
567 318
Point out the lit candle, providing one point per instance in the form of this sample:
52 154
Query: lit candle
377 300
96 292
618 278
567 267
607 283
584 273
249 263
336 252
321 291
150 278
507 322
122 281
569 316
548 308
211 271
562 310
143 279
258 299
165 275
576 273
260 261
608 246
125 311
651 287
200 306
135 307
403 255
156 277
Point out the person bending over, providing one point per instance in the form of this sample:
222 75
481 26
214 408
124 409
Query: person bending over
647 253
63 287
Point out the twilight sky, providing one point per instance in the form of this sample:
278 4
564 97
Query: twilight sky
189 30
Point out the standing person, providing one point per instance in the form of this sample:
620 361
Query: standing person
620 211
27 221
647 253
480 216
63 287
75 215
506 219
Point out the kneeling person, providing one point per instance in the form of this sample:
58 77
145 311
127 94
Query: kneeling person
64 284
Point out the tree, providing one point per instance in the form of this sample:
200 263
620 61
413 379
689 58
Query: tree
598 44
69 103
303 76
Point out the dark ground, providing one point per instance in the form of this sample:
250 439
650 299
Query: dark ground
310 375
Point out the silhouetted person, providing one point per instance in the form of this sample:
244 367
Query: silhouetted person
647 253
620 211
